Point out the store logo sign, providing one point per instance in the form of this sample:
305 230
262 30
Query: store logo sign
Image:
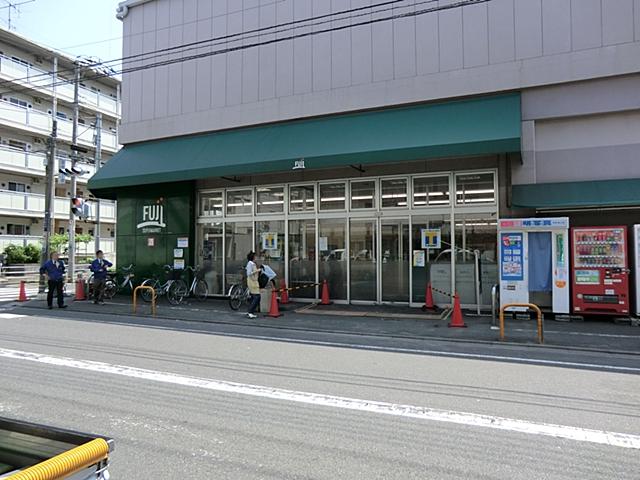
152 217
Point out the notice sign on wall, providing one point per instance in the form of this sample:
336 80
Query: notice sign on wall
183 242
511 257
151 242
270 241
419 258
431 238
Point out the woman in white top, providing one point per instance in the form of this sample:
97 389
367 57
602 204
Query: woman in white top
253 272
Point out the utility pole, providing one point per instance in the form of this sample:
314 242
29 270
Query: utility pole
74 159
98 164
50 168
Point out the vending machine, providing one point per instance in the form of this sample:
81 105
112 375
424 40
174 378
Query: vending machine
600 270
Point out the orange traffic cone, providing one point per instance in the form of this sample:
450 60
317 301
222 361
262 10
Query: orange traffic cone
428 298
22 296
274 311
284 293
324 298
456 318
80 290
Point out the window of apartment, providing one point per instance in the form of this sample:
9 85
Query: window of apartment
363 194
21 61
95 89
19 102
431 191
62 115
211 204
18 145
17 229
17 187
81 121
332 196
302 198
475 188
240 202
270 199
394 192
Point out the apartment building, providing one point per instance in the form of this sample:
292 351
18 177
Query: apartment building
27 92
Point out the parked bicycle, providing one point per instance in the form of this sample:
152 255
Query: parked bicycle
114 285
199 288
239 292
174 287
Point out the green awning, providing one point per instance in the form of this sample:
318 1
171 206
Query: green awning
479 126
601 193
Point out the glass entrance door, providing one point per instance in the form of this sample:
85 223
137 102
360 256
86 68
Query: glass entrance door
362 252
394 242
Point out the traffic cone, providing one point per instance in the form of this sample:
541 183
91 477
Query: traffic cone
456 318
324 298
428 298
284 293
274 311
22 296
80 290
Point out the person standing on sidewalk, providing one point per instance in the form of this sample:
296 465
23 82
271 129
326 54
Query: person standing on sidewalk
99 268
54 269
253 272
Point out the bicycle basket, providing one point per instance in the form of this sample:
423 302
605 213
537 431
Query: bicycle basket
233 278
175 274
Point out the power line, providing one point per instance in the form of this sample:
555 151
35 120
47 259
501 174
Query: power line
98 76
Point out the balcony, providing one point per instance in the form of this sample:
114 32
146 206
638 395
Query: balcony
26 163
42 80
107 244
21 204
40 122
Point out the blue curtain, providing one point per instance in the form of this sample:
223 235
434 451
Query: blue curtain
540 262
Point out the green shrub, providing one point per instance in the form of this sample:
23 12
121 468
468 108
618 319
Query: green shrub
33 253
15 254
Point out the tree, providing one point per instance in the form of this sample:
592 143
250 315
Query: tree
15 254
33 252
58 241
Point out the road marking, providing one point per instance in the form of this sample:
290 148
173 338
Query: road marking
408 411
10 316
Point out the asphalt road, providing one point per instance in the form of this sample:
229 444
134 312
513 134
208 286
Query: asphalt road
179 419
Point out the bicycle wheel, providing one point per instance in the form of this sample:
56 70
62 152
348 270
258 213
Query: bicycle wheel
146 294
201 290
110 289
235 297
177 292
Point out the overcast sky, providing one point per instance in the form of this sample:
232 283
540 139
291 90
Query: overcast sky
78 27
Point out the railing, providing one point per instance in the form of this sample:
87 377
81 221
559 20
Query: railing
20 117
42 80
20 240
34 163
33 203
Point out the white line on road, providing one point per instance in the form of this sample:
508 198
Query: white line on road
408 411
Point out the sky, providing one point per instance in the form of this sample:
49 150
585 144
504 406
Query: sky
78 27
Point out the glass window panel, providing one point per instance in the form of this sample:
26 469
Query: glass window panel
302 257
362 243
211 204
270 245
332 196
302 198
437 262
394 192
239 202
238 243
394 239
270 199
476 232
333 257
210 256
363 194
431 191
475 189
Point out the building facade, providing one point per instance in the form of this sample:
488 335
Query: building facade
26 102
336 138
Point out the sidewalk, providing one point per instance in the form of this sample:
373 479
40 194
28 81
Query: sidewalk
386 321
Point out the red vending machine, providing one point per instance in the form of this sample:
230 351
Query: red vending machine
600 270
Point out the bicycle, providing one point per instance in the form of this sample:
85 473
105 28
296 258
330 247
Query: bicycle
112 286
174 288
199 287
239 293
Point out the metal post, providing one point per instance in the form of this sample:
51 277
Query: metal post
49 199
74 159
476 259
98 162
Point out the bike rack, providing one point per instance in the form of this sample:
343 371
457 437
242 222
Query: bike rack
153 298
528 306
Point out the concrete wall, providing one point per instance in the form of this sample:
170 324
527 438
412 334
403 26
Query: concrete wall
581 131
497 46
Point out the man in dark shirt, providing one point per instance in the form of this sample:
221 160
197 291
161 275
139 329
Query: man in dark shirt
99 268
54 269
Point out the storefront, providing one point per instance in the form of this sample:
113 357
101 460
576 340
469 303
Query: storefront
377 203
364 236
